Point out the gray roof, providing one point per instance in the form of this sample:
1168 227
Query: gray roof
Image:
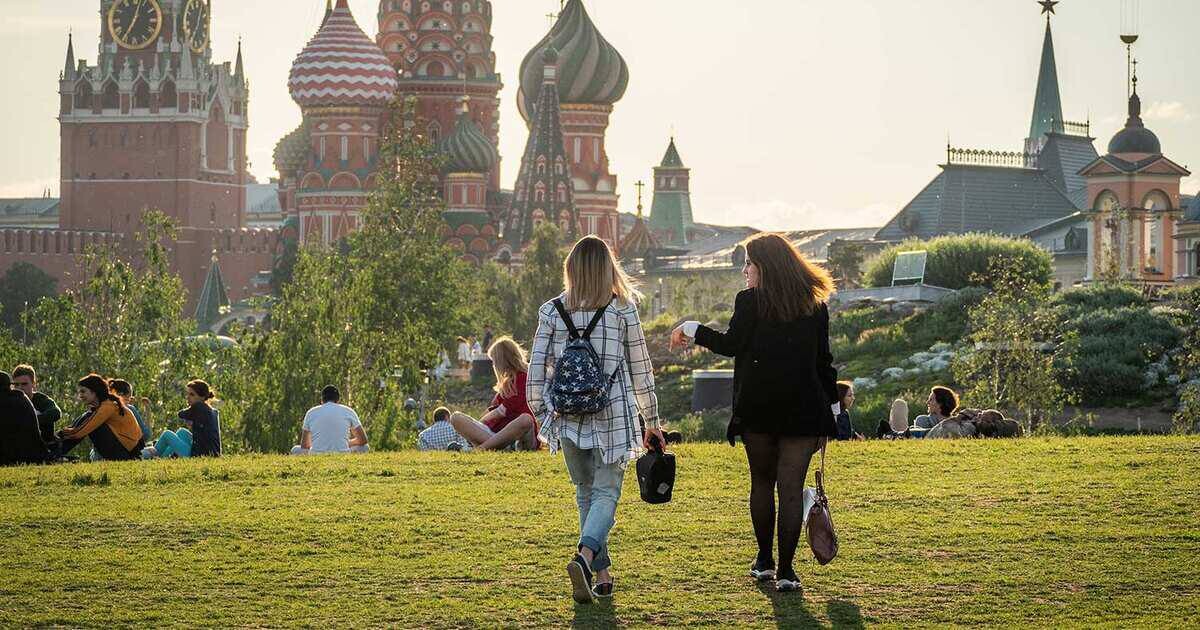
970 198
1191 207
262 199
30 207
1063 157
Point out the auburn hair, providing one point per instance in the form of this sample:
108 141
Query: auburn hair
202 390
946 399
592 277
789 286
99 386
508 360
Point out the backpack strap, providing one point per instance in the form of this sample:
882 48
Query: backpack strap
587 334
566 317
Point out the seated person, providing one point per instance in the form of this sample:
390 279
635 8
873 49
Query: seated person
942 404
111 427
896 426
508 421
124 391
331 427
20 436
48 413
441 436
201 434
845 427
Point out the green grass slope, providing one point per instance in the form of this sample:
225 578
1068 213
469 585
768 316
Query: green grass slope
1040 532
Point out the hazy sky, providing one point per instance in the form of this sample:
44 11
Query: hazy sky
791 113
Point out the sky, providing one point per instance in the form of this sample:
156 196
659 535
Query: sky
792 114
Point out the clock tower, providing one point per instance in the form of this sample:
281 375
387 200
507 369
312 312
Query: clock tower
155 124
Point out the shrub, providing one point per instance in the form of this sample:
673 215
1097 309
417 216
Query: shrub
1106 351
707 426
959 261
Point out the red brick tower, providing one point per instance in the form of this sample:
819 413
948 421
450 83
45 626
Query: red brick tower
344 83
592 77
442 50
155 124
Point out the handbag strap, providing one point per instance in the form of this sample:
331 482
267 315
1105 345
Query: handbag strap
821 472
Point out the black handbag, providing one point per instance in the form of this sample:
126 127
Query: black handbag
656 474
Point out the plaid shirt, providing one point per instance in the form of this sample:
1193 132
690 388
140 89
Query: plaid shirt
621 344
440 436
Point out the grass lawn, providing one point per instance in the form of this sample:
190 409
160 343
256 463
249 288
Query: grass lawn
1039 532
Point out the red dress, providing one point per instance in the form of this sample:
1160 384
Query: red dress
515 406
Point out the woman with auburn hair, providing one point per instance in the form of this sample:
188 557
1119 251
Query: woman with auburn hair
508 420
201 434
111 426
597 447
785 398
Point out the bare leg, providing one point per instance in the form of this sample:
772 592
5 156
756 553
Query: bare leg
516 430
475 431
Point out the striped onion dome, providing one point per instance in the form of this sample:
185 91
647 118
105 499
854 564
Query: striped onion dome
467 149
341 66
590 70
293 150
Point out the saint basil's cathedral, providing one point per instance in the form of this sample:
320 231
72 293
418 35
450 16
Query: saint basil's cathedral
440 54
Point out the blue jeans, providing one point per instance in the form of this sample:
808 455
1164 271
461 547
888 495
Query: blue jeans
174 443
597 491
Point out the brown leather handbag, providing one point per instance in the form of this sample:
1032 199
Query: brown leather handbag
821 535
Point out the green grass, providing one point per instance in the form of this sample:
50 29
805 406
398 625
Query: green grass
1038 532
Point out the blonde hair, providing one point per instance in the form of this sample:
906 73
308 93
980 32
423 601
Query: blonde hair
592 277
899 415
508 360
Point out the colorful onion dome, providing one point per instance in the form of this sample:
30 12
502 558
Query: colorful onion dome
341 66
292 151
467 149
1135 137
590 70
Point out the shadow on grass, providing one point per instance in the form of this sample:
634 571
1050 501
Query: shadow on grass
791 611
595 616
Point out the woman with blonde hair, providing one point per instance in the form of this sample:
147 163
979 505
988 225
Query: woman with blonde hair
598 297
785 396
508 420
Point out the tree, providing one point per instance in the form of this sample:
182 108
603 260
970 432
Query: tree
22 287
1010 365
1187 416
368 315
845 261
963 260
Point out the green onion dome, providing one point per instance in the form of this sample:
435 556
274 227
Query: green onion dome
590 70
467 149
292 151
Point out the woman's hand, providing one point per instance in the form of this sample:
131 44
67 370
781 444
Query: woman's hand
648 439
679 338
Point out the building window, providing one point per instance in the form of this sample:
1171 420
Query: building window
578 150
366 149
321 150
345 148
595 150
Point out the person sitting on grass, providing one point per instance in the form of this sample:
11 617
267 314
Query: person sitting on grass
941 404
508 420
201 433
845 428
108 423
441 436
331 427
124 391
20 437
24 378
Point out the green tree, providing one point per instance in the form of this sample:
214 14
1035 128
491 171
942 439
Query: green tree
963 260
515 296
22 287
1187 416
1010 364
845 261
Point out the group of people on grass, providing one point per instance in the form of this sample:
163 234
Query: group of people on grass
111 421
786 402
941 404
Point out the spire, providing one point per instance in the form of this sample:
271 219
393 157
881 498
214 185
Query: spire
214 300
1047 102
69 67
328 11
187 71
239 72
671 159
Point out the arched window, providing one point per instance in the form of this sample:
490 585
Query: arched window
1157 204
83 96
435 69
111 99
167 97
435 131
141 95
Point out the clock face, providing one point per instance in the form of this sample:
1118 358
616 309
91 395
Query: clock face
196 24
135 24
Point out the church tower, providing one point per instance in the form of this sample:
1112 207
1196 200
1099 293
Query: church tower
442 51
592 78
671 212
543 191
155 124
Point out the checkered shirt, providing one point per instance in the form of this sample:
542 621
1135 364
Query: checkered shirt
621 344
440 436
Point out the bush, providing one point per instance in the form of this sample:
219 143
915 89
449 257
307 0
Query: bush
1106 351
963 260
707 426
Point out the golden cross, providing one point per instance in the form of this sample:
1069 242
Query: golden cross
640 185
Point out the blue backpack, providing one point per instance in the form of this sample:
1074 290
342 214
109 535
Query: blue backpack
580 385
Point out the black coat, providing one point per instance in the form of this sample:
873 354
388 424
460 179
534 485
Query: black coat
784 381
20 436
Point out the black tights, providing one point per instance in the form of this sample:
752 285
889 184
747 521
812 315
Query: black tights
783 461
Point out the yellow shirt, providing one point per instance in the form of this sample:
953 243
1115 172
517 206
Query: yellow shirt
124 426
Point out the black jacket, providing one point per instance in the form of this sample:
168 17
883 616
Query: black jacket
20 437
784 381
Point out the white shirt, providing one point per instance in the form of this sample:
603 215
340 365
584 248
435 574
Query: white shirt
330 425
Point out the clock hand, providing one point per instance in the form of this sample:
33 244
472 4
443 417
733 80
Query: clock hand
136 13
